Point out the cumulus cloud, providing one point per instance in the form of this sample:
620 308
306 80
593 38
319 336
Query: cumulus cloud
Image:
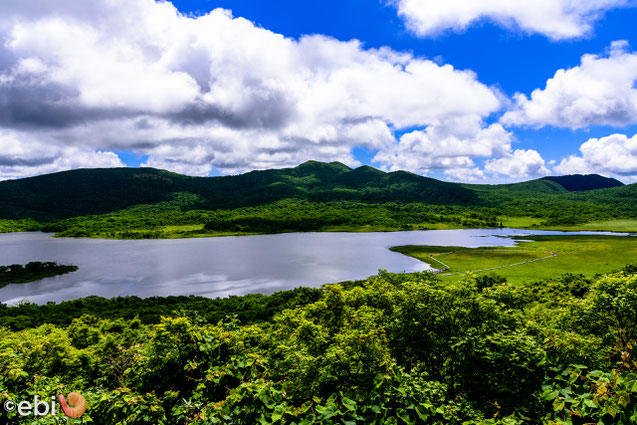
454 146
614 155
520 163
449 145
557 19
600 91
465 174
83 80
22 155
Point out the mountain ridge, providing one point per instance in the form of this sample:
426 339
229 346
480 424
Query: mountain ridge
102 190
583 182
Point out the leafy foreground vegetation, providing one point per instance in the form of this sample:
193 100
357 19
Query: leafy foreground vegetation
36 270
392 349
588 254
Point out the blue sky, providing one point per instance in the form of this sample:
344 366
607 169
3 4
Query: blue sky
510 60
202 101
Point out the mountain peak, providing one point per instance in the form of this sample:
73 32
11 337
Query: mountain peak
581 182
334 165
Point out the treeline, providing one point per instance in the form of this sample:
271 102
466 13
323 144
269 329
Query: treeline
282 216
246 309
393 349
26 225
561 211
305 216
175 218
36 270
165 220
136 203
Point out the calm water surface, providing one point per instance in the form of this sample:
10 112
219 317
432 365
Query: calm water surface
218 267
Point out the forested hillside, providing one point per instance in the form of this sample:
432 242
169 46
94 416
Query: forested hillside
579 182
84 192
315 196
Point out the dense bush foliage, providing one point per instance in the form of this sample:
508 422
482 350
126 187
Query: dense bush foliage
247 309
19 226
393 349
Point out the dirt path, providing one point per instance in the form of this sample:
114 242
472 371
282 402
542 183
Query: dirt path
441 271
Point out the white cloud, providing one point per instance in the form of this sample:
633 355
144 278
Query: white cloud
217 91
465 174
21 155
520 163
600 91
614 155
557 19
449 145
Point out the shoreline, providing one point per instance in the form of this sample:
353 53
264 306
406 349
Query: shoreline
344 229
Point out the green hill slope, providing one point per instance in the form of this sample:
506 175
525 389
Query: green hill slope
146 202
579 182
581 198
85 191
97 191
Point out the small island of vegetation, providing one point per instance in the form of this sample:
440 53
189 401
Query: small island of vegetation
35 270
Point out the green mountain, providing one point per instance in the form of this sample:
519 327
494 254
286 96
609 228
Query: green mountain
553 184
579 182
531 187
99 191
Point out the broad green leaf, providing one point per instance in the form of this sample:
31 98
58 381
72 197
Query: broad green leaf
349 403
590 403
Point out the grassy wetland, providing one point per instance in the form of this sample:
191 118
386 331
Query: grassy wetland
533 258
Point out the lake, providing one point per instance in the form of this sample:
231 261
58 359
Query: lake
218 267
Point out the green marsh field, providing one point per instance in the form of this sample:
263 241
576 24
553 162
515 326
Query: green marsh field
554 255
